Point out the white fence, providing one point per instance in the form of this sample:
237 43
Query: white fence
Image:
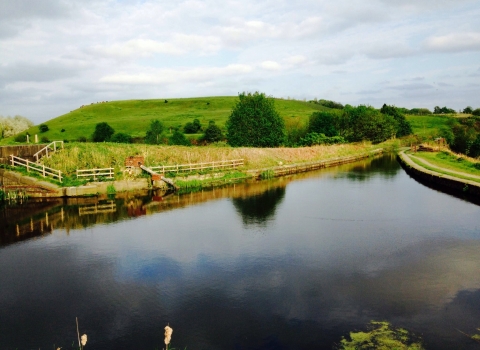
184 168
51 146
95 173
32 166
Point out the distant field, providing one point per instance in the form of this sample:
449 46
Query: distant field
134 116
427 126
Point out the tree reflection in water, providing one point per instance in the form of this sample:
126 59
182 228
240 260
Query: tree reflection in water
259 208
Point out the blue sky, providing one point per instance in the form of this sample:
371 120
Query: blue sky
57 55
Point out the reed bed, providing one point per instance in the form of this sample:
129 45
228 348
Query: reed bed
102 155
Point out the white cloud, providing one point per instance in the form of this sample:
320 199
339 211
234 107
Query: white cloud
270 65
165 76
138 48
456 42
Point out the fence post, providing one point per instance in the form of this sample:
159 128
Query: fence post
28 170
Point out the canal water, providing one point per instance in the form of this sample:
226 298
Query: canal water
291 263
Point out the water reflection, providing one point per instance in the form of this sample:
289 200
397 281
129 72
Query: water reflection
338 253
259 208
385 167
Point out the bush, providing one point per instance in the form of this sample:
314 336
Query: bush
254 122
63 130
103 132
154 133
212 133
21 138
476 112
121 138
43 128
45 139
314 138
179 138
82 139
192 128
329 104
322 123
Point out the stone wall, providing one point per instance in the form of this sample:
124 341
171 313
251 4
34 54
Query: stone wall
22 151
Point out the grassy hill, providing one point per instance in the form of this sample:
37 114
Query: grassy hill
134 116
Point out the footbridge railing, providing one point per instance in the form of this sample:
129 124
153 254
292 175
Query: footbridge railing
52 147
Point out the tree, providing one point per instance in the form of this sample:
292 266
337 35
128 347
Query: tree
212 133
468 110
476 112
403 127
367 123
103 132
192 128
154 132
254 122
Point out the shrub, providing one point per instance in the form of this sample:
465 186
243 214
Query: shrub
476 112
468 110
103 132
212 133
82 139
322 123
63 130
254 122
153 136
314 138
21 138
192 128
178 138
121 138
45 139
43 128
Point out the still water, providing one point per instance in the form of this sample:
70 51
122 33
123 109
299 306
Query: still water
292 263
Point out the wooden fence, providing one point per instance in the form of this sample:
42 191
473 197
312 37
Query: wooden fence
95 173
185 168
32 166
51 146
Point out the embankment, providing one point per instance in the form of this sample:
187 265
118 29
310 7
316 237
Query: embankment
37 188
448 182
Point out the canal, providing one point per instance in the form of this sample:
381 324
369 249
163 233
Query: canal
291 263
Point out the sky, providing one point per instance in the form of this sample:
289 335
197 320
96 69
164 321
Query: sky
56 55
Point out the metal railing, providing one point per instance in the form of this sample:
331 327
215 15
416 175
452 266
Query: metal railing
184 168
32 166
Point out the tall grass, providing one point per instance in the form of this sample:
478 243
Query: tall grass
102 155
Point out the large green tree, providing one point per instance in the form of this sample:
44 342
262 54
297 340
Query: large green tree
103 132
254 122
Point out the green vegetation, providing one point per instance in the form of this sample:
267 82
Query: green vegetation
382 335
254 122
212 133
449 163
428 126
134 116
43 128
154 132
103 132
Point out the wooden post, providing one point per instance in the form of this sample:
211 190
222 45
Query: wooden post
44 170
28 170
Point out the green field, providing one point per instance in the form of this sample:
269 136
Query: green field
134 116
428 126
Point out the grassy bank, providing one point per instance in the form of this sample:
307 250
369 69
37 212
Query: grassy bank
90 155
448 163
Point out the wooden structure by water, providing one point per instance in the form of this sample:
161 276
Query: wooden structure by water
156 176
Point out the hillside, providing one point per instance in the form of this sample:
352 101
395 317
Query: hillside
134 116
